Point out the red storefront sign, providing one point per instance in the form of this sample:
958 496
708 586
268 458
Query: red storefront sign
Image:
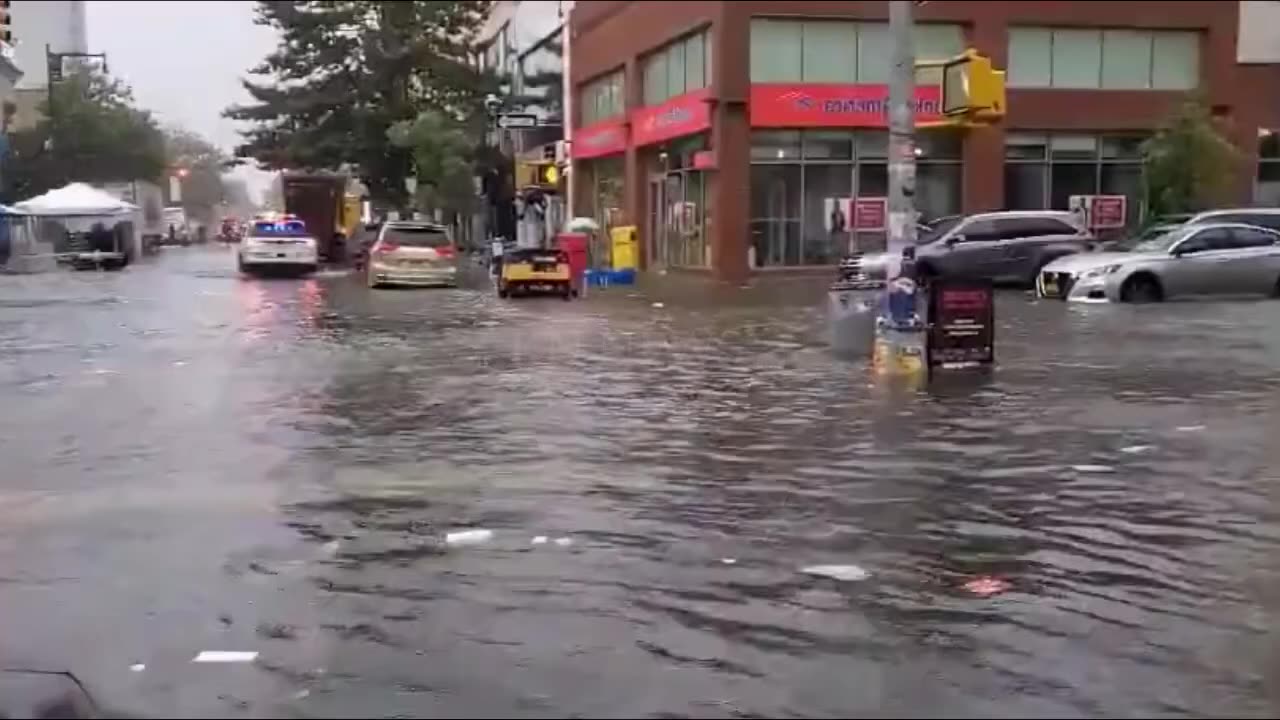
682 115
704 160
603 138
870 213
825 105
1107 212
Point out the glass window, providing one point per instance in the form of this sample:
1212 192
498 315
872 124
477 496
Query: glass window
775 145
1030 57
874 52
1205 240
695 57
1248 237
938 189
1018 146
826 229
1267 189
828 145
1067 179
830 52
675 70
775 213
873 180
1077 58
1122 147
1124 179
1126 60
1267 220
1175 61
655 79
1022 227
938 42
1073 147
775 50
938 145
1268 145
1024 186
871 143
979 231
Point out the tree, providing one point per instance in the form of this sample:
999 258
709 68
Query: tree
444 154
202 165
346 71
1190 165
91 132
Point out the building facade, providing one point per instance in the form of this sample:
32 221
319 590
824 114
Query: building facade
729 132
58 25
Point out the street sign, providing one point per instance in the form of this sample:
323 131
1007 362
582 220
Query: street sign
515 121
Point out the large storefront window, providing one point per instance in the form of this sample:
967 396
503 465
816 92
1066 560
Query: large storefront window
1111 59
678 214
1266 191
603 178
802 183
602 98
679 67
1043 171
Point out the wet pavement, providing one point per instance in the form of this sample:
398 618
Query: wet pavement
192 462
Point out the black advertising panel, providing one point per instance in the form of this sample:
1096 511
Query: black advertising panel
961 323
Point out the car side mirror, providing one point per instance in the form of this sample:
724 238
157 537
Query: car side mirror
954 239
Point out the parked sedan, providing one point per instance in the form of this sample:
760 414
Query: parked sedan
1005 247
1191 260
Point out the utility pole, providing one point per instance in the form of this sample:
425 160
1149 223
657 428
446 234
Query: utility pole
902 127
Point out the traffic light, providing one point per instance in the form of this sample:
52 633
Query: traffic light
972 88
6 23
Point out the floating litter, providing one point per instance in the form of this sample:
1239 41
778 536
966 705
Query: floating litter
729 561
331 547
1093 468
1190 428
987 586
468 537
658 305
564 541
301 694
1135 449
179 363
540 540
225 656
137 667
848 573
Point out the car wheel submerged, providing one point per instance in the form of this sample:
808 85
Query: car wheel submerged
1141 289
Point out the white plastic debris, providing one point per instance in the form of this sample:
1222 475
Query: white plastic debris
1093 468
468 537
1190 428
225 656
137 667
179 363
1135 449
540 540
658 305
729 561
331 547
849 573
564 541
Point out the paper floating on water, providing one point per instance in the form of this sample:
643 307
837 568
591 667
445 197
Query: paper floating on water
1190 428
729 561
987 586
1093 468
468 537
564 541
848 573
225 656
137 667
658 305
539 540
1135 449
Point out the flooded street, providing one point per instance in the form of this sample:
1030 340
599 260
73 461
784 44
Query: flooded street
193 461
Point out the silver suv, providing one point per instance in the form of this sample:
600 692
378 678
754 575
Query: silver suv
1004 247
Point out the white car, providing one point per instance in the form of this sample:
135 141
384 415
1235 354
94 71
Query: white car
278 246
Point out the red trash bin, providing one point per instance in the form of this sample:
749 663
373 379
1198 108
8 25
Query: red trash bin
575 246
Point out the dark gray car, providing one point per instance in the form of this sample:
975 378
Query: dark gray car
1004 247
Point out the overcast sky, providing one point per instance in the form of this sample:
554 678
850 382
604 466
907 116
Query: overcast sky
183 59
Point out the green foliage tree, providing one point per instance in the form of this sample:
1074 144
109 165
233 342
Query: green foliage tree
91 132
444 153
203 187
346 71
1189 163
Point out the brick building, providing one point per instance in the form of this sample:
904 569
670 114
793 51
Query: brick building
725 129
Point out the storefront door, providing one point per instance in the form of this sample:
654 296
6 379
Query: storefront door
657 246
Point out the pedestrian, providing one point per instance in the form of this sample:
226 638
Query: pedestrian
495 256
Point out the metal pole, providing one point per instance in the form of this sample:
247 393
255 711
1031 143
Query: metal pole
902 123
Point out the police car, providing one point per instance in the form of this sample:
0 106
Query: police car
278 244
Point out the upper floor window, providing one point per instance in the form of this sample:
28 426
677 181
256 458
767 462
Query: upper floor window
1103 59
680 67
602 98
839 51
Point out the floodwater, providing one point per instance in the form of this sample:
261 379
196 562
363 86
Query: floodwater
196 462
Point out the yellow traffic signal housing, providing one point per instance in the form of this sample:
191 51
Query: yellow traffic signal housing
972 88
537 173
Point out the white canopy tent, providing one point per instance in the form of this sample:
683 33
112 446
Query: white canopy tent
78 207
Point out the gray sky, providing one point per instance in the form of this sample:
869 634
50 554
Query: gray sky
184 60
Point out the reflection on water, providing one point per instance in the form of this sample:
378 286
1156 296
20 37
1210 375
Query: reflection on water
1115 471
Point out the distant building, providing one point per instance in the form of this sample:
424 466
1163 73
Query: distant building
56 25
